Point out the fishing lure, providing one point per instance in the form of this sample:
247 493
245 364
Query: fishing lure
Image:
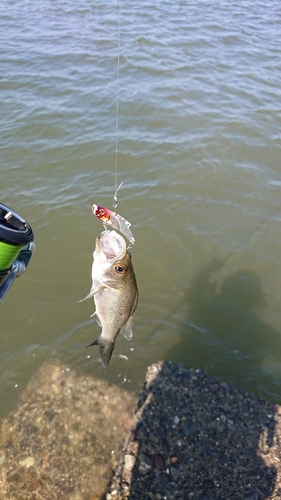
114 220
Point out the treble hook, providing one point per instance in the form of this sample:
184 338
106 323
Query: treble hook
115 198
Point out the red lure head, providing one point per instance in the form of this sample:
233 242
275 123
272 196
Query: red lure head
101 213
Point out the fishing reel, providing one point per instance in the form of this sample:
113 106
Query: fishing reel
16 247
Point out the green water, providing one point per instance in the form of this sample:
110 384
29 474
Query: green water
199 155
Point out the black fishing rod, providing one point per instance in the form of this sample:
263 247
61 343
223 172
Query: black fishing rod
16 247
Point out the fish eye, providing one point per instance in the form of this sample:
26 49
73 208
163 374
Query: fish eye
120 269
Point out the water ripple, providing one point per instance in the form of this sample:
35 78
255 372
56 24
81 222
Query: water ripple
198 152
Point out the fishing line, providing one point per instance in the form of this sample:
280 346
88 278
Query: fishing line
108 217
116 189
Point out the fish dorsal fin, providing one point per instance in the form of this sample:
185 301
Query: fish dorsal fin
127 329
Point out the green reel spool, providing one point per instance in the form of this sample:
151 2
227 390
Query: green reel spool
8 253
15 234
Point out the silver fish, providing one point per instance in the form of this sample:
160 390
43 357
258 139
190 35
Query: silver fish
115 291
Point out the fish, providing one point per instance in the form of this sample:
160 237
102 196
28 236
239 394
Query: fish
114 289
114 220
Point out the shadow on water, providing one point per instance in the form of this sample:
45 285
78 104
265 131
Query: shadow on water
197 438
224 335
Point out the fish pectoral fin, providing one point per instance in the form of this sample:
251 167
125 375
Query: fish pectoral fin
127 329
106 350
92 293
95 315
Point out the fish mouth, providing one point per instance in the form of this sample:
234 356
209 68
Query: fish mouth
110 246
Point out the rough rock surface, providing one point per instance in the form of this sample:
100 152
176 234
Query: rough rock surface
191 438
64 440
195 438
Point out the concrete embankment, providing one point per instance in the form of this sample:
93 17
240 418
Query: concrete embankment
187 437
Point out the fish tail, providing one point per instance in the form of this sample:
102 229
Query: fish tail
106 350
